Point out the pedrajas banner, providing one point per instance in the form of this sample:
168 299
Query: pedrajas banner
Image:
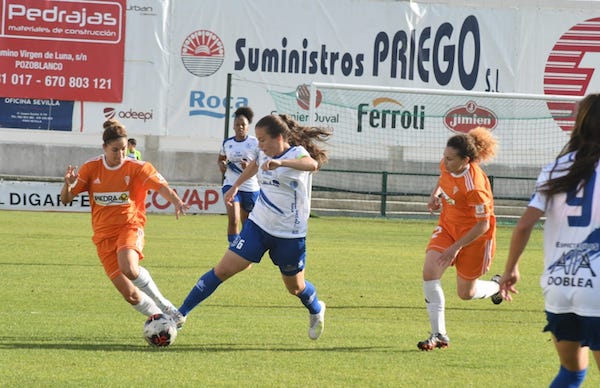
62 49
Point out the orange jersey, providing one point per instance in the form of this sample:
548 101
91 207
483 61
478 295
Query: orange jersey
117 194
466 199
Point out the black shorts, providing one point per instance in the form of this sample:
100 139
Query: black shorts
573 327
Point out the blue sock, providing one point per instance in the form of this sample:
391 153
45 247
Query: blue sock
205 286
309 298
567 379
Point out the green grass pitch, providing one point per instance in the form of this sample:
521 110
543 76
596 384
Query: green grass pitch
63 324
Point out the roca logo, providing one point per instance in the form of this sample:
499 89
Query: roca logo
567 72
202 53
204 104
111 113
466 117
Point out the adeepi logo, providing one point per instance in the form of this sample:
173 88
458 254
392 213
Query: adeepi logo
202 53
568 73
466 117
111 113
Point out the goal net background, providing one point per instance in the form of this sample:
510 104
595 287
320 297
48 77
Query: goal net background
401 133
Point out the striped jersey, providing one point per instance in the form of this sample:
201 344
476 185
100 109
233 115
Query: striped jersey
235 151
117 194
283 205
466 199
571 274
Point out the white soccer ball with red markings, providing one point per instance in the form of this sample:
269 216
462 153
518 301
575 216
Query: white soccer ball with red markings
160 330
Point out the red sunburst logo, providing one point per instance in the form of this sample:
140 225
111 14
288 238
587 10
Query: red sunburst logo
202 53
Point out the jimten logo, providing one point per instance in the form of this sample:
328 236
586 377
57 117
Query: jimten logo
202 53
466 117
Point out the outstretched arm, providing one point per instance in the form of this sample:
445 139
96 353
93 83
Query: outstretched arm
518 242
66 197
434 203
306 163
172 197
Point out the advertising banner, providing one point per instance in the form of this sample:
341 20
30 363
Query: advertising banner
45 196
143 108
431 46
65 50
176 67
32 113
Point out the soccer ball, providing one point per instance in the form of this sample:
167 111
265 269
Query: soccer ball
160 330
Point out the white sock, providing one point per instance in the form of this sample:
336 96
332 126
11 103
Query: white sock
145 283
147 306
436 303
485 289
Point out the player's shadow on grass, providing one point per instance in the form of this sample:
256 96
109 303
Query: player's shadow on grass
221 348
469 306
492 308
57 264
72 346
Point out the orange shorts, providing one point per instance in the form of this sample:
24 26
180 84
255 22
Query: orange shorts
473 260
128 238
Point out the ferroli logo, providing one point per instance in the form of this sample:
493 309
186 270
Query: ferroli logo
466 117
111 113
389 113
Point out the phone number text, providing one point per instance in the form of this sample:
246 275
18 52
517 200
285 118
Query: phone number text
56 81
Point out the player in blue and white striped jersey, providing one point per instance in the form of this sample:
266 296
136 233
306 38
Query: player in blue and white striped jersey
235 155
568 193
278 224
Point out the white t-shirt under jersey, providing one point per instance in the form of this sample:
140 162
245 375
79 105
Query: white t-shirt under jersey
283 205
570 280
235 151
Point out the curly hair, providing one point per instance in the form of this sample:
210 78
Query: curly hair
245 111
478 144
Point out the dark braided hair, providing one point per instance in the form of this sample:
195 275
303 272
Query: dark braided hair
245 111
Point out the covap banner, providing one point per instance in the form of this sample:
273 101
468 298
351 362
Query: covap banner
45 196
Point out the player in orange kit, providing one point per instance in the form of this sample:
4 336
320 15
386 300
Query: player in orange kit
117 187
465 236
